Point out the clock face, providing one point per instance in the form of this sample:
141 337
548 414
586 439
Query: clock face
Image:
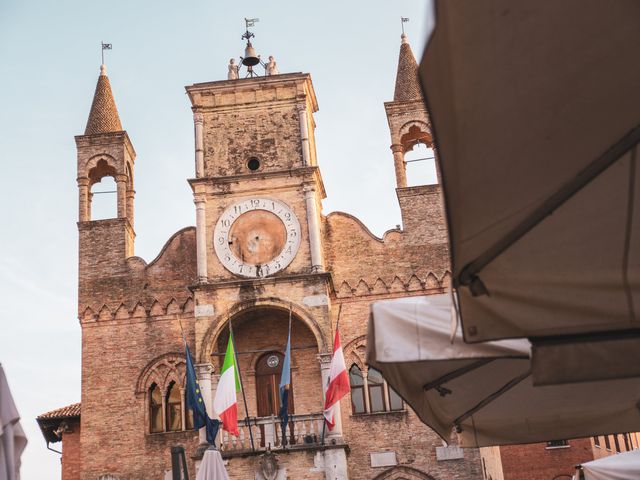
256 237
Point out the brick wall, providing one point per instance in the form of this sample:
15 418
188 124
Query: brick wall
537 462
71 453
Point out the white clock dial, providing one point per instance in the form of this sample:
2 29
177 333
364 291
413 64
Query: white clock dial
256 237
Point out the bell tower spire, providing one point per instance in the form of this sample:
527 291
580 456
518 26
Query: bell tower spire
104 150
407 116
103 117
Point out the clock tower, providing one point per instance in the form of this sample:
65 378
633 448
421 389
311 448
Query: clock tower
259 230
257 188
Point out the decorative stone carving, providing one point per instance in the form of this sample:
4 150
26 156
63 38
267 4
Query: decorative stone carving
233 70
272 67
269 466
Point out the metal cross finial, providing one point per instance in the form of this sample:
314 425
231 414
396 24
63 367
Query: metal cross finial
403 20
105 46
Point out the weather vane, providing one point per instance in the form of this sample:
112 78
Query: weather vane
251 58
403 20
105 46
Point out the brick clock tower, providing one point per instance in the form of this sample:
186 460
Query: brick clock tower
261 257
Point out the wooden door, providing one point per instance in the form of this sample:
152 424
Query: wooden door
268 373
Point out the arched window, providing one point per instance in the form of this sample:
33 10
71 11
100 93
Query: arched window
370 392
357 389
376 390
174 408
395 400
155 409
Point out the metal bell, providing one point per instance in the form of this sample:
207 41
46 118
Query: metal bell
250 56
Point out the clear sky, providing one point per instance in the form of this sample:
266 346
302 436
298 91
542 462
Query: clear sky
49 64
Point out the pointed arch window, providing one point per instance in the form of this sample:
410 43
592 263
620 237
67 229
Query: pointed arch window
174 408
155 409
357 389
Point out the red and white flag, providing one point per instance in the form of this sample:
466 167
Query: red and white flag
338 383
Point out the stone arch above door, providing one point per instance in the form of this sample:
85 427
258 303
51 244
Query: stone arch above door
403 473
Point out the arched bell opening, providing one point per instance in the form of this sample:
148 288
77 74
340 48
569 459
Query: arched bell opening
419 156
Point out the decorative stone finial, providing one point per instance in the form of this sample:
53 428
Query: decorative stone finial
404 38
103 69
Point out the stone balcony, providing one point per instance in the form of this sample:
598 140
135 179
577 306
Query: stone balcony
304 432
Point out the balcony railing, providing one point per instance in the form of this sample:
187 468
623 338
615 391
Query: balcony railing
303 431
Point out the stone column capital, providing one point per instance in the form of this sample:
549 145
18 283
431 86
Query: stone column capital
396 147
198 118
324 359
203 370
301 107
83 181
121 177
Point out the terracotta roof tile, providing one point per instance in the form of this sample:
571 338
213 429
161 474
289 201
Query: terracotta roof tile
103 117
407 83
64 412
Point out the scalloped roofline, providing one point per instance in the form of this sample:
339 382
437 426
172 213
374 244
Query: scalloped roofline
164 247
364 227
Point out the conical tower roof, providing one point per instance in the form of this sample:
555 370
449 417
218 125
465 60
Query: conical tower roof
407 84
103 117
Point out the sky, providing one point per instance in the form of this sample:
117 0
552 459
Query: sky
49 65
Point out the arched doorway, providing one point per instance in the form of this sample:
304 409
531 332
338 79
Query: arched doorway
268 374
260 334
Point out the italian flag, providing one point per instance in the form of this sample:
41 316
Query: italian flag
225 402
338 383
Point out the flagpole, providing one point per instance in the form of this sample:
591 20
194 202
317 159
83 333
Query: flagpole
244 397
284 429
324 420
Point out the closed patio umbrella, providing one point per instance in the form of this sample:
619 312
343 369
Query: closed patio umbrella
212 466
485 390
535 109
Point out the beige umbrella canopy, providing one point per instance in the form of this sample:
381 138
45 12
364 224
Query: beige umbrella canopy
536 115
485 390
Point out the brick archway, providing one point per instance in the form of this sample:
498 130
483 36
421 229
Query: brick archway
403 473
220 324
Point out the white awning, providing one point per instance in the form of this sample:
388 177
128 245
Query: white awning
485 390
536 115
624 466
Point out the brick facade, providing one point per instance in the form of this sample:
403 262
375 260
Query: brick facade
132 312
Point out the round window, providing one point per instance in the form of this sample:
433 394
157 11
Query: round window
253 164
273 361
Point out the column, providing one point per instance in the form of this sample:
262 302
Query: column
317 264
84 213
130 195
183 411
121 182
164 411
325 365
201 238
304 134
203 373
400 165
198 120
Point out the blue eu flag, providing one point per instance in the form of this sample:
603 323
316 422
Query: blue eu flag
285 386
195 403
